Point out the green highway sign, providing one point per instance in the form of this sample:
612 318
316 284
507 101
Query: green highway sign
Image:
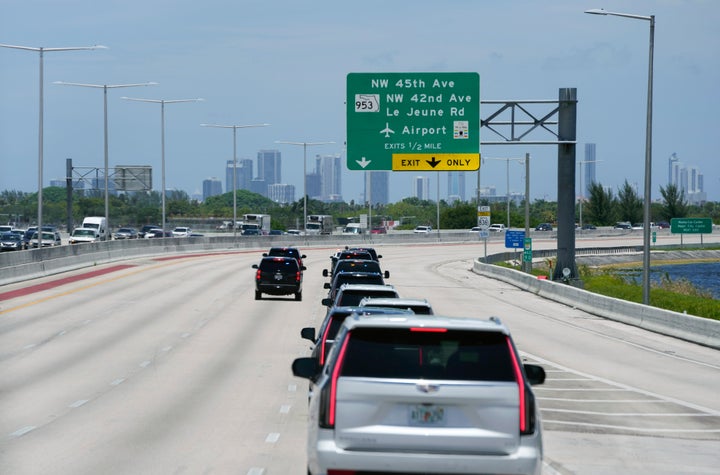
413 121
691 225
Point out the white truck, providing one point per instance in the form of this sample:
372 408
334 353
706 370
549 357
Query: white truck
261 222
99 224
352 229
319 224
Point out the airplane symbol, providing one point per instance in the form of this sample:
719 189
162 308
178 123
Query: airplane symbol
387 130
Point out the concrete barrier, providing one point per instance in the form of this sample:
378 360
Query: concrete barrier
704 331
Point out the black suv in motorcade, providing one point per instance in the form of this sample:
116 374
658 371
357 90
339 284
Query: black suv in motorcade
286 252
356 265
278 276
341 278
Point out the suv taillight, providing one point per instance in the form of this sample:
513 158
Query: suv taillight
526 401
329 391
298 276
258 274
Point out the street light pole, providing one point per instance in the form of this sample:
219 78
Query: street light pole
234 128
42 51
305 146
162 103
105 88
648 148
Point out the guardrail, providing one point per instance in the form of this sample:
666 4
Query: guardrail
704 331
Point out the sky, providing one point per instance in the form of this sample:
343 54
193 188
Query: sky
285 63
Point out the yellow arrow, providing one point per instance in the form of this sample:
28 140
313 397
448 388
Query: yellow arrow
437 162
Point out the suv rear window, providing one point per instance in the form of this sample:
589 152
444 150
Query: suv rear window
351 298
410 354
279 264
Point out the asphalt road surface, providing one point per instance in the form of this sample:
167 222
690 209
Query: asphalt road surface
169 366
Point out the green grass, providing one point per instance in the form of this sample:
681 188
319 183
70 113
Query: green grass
680 296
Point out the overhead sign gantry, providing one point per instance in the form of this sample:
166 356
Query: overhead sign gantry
413 121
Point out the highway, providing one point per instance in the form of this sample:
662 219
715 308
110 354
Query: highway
169 366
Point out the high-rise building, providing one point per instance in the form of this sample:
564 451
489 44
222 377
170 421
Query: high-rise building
377 187
313 183
211 187
329 168
456 186
672 169
588 170
281 193
421 187
269 166
688 180
244 173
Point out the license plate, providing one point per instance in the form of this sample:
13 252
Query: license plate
427 415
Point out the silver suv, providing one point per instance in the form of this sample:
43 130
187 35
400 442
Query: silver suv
422 394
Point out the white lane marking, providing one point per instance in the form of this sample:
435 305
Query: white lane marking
185 335
609 401
22 431
680 402
566 379
638 429
117 382
285 408
62 333
145 364
167 348
272 437
256 471
630 414
583 389
79 402
31 345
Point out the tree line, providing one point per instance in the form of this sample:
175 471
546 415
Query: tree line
601 208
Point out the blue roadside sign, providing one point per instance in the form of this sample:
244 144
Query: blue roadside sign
515 239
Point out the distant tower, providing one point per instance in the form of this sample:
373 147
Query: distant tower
588 169
456 186
672 171
329 168
377 187
211 187
421 187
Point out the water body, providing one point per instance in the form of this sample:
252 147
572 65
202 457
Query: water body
704 275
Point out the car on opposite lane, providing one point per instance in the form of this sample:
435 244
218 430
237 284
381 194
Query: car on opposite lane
48 239
422 394
181 231
11 242
278 276
126 233
82 235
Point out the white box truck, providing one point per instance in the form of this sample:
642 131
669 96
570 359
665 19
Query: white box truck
319 224
99 224
260 222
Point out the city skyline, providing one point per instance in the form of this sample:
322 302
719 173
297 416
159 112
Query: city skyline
288 66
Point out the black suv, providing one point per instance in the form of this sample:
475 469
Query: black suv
286 252
278 276
341 278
